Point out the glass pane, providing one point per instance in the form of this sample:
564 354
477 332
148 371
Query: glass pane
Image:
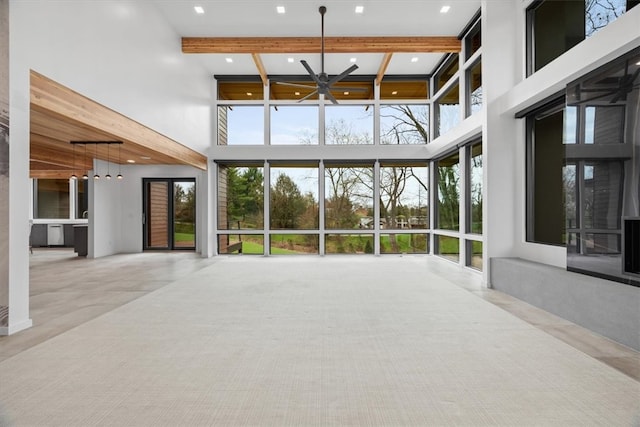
603 195
570 196
348 124
404 124
390 89
473 41
448 247
604 125
449 193
404 243
184 214
286 244
448 110
546 210
404 197
349 197
474 81
600 13
52 199
241 125
570 125
474 254
240 197
247 244
294 198
294 125
446 72
475 187
600 243
348 243
234 91
82 203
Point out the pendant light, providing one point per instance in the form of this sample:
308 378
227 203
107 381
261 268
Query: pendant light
84 164
73 175
108 175
119 162
95 159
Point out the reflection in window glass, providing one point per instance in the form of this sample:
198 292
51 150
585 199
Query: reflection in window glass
349 197
294 198
570 125
474 91
404 124
404 196
240 197
82 198
570 196
294 244
247 244
348 124
446 72
448 247
473 41
601 243
600 13
294 125
348 243
404 243
474 254
475 187
448 193
604 125
448 110
52 198
602 195
240 125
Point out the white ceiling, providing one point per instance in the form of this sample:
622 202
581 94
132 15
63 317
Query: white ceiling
237 18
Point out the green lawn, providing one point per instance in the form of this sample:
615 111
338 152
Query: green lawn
183 237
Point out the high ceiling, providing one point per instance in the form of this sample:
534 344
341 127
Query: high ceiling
381 24
259 18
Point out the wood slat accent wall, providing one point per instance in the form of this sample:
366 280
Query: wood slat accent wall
157 229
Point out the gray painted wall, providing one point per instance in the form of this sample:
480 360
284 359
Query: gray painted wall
608 308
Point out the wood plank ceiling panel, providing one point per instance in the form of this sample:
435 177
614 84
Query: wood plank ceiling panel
60 115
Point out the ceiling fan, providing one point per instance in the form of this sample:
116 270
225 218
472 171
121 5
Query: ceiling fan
616 87
323 83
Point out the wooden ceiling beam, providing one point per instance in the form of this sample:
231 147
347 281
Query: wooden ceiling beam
50 97
260 66
383 67
261 45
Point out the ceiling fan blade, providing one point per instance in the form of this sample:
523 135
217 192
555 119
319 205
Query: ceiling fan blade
296 85
308 96
342 75
331 97
310 71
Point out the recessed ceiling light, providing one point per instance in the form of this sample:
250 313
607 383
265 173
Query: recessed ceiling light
229 60
346 93
359 9
290 60
249 94
131 161
414 59
395 92
199 10
638 63
145 157
280 9
445 9
352 60
296 93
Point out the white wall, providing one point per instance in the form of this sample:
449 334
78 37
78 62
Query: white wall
122 54
118 208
